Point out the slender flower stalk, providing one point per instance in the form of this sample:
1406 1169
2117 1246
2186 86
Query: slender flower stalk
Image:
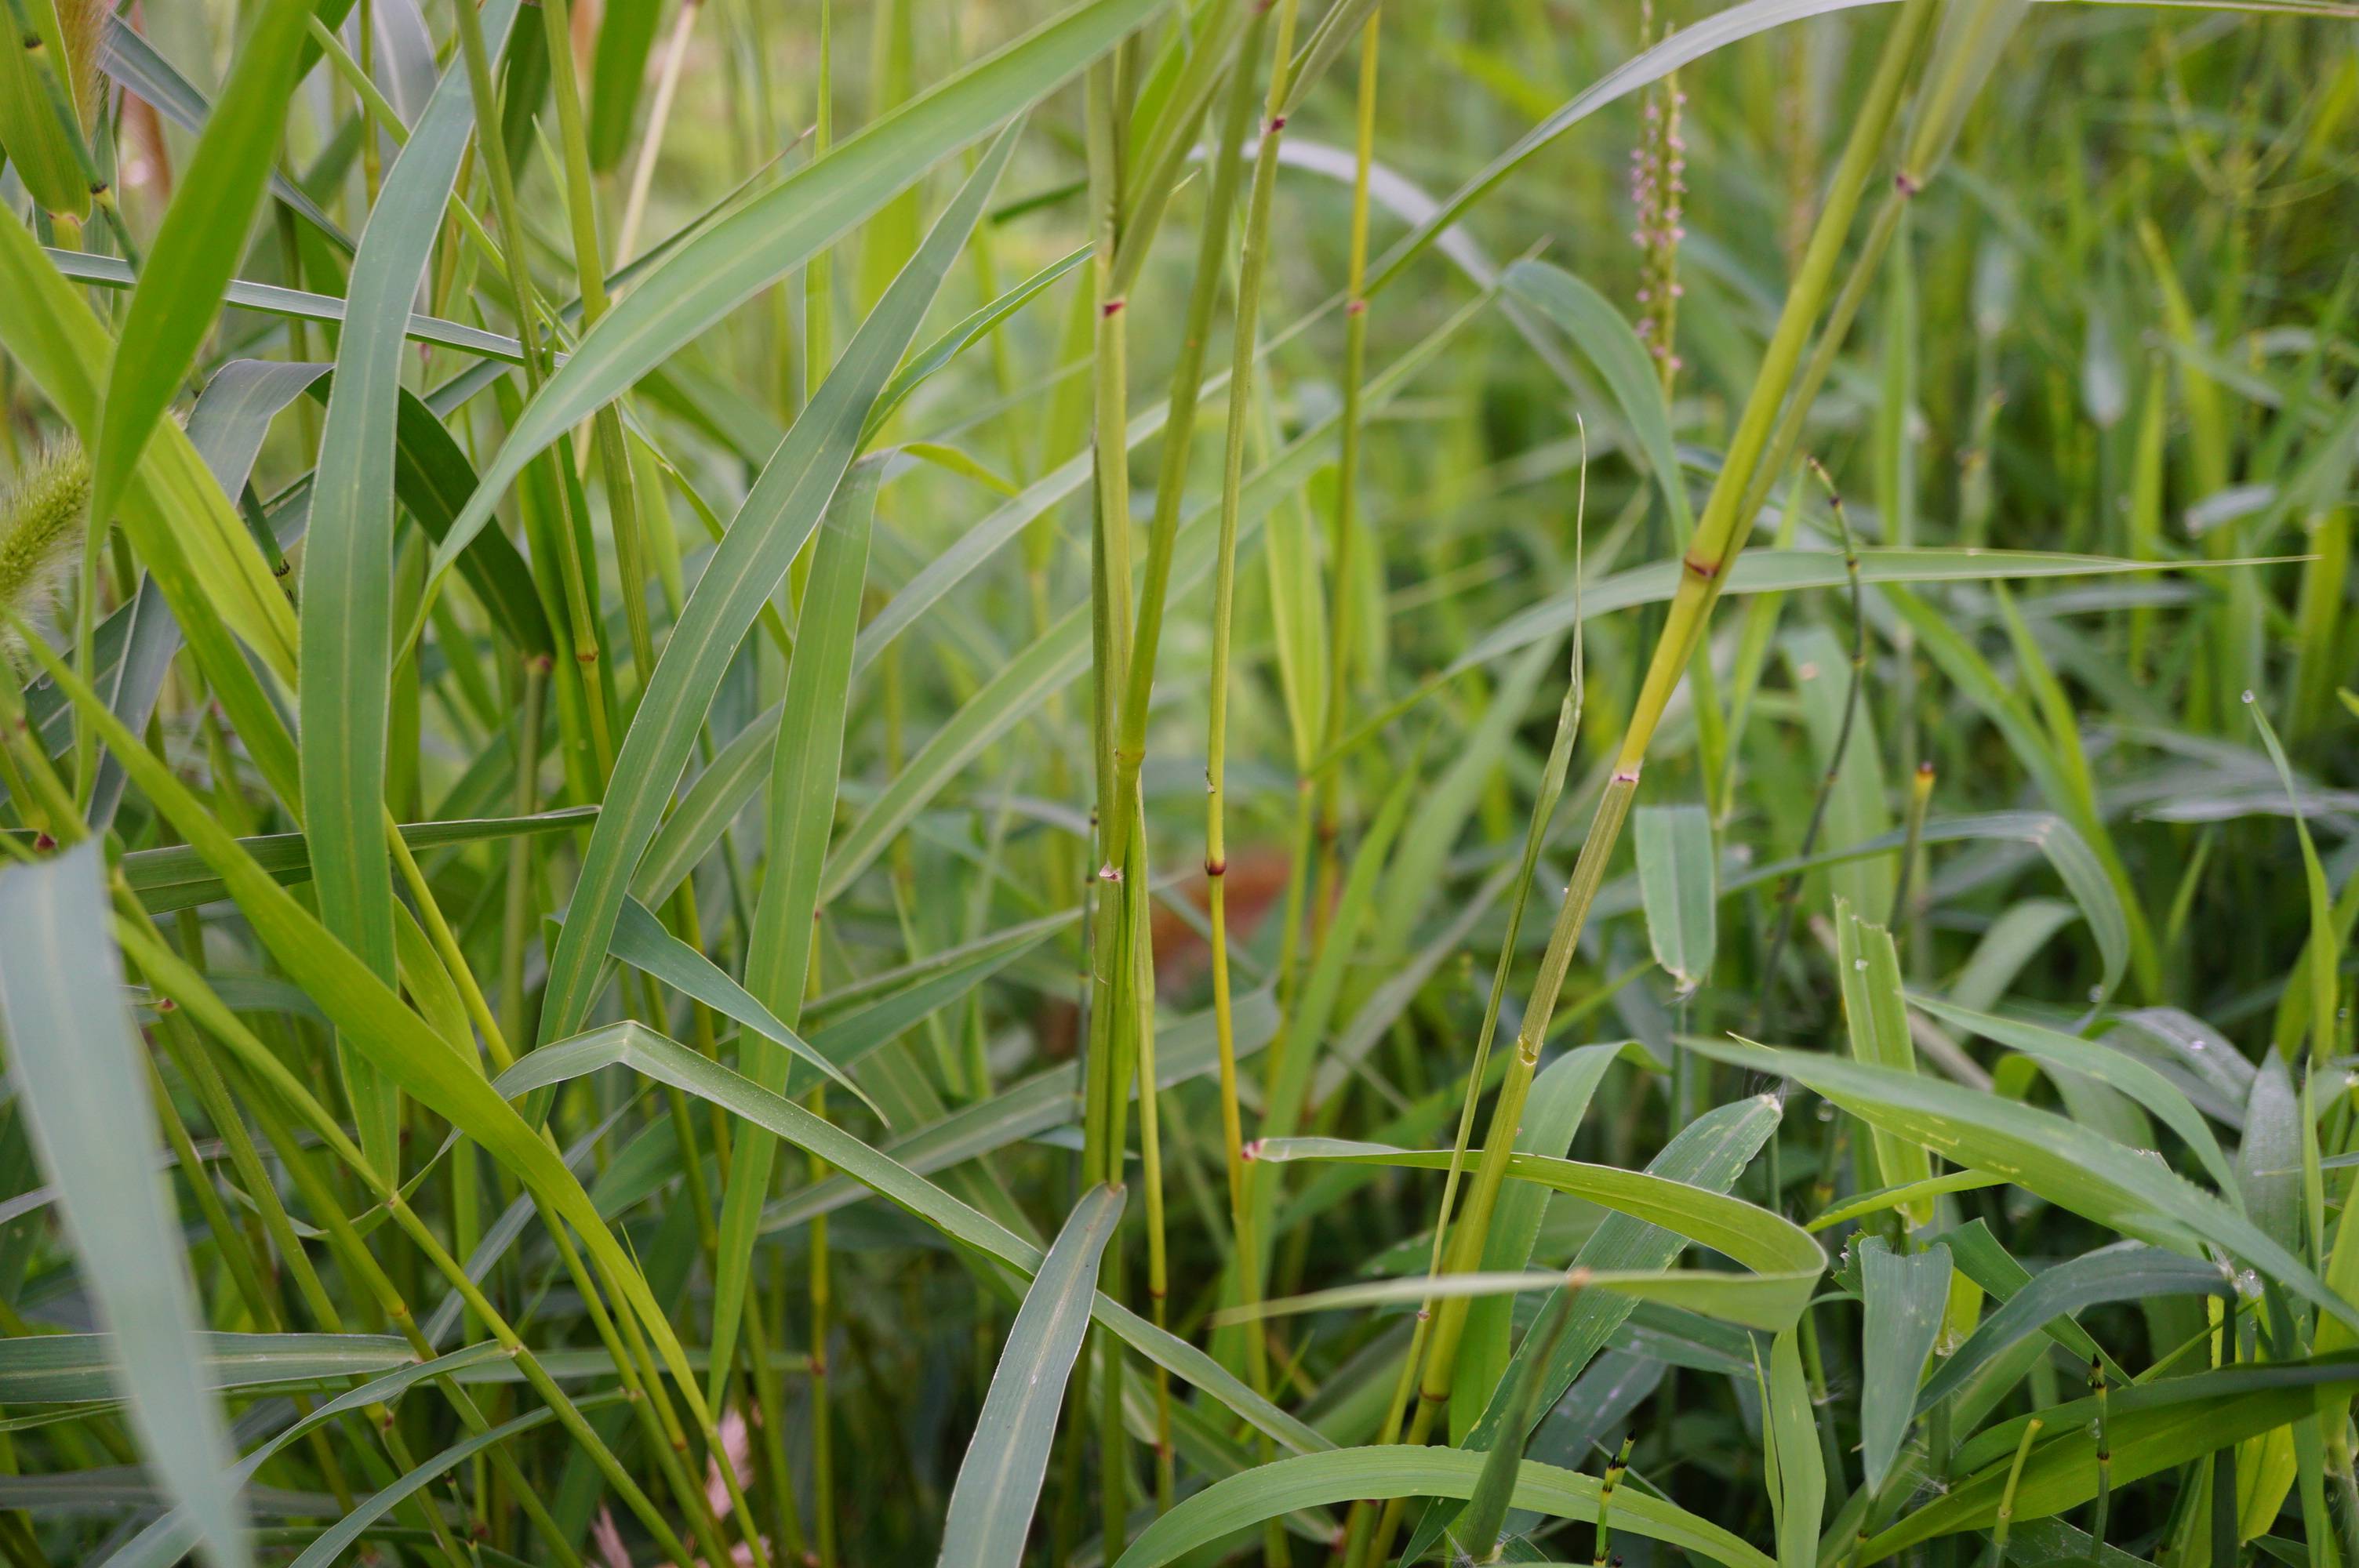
1657 199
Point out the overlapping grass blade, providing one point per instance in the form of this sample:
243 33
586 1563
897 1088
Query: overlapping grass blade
785 504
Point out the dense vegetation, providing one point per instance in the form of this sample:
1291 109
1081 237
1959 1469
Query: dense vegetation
1607 750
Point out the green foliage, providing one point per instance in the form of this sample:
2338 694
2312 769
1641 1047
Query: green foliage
596 965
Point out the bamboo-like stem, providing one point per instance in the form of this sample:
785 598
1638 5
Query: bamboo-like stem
1717 535
1252 263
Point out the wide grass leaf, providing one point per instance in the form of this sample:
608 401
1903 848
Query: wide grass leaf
50 1369
1904 1298
82 1085
999 1481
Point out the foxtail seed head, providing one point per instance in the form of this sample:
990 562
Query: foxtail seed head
40 528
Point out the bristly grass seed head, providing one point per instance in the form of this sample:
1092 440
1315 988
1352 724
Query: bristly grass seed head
41 517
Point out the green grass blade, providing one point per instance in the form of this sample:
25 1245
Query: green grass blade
645 1052
1904 1298
82 1089
1348 1474
785 505
1630 372
999 1481
62 1367
2119 1069
641 941
2042 1152
1875 1017
784 226
800 820
196 250
1677 873
348 569
2111 1274
148 76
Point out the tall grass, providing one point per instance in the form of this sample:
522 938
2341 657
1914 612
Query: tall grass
815 785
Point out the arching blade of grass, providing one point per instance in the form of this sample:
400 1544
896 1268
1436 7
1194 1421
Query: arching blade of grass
178 877
1785 571
785 504
348 570
1597 327
196 251
2042 1152
2161 1098
641 941
784 227
419 1061
1396 1470
999 1481
1779 1252
297 305
2068 854
668 1062
82 1087
1904 1298
2111 1274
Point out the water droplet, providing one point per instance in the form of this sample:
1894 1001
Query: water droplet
1860 964
2249 696
2097 994
1826 1112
